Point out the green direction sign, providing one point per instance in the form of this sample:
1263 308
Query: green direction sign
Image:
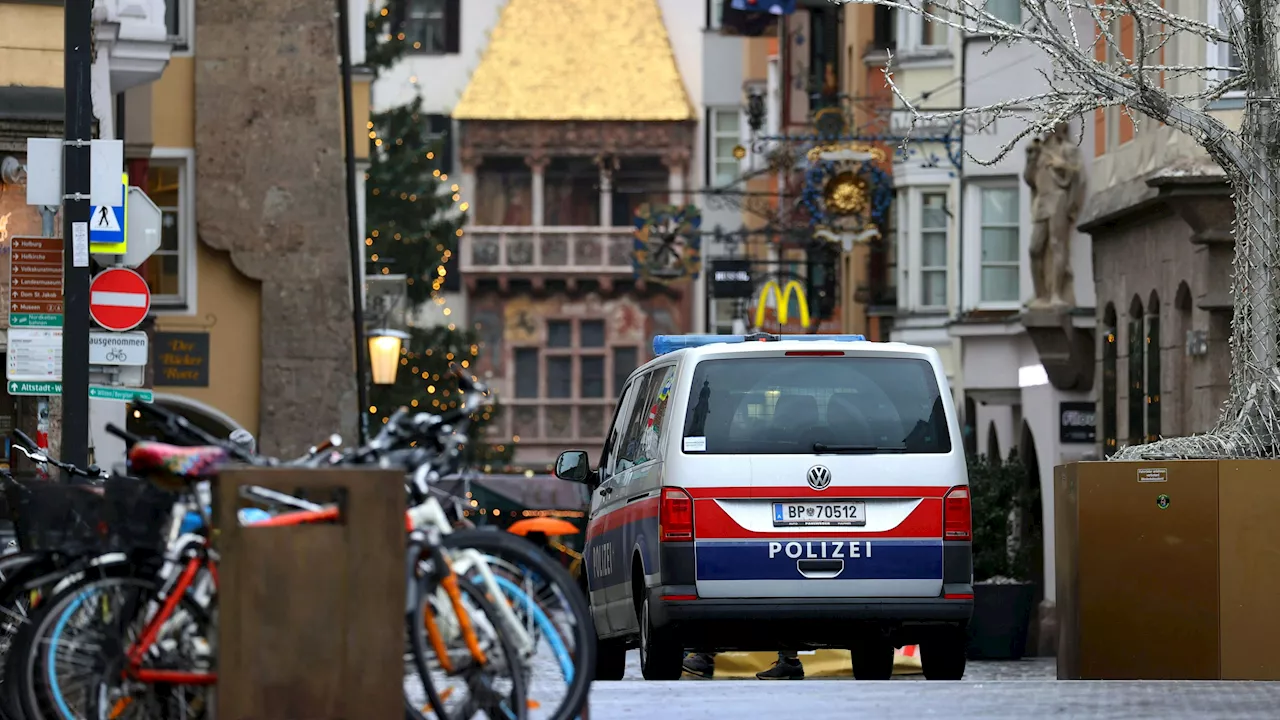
35 320
123 394
26 387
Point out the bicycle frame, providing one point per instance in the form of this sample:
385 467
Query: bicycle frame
431 513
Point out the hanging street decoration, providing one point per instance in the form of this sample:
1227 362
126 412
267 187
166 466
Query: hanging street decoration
847 194
668 243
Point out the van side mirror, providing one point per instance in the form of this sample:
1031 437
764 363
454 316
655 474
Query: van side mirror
574 466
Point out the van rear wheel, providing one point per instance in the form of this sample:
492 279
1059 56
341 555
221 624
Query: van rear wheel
661 657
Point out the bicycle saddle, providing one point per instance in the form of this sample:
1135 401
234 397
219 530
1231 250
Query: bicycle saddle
171 466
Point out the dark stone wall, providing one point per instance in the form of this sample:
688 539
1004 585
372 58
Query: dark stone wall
271 191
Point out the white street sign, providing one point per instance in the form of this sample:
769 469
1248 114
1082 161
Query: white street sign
44 171
106 165
112 348
143 231
35 354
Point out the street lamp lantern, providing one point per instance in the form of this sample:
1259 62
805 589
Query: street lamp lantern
384 354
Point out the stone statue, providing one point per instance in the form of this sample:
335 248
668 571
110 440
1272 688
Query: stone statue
1055 173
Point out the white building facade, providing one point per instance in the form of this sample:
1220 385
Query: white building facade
1019 389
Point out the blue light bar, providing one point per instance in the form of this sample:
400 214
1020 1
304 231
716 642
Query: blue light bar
663 344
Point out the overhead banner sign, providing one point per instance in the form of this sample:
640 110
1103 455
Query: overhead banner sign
782 301
731 279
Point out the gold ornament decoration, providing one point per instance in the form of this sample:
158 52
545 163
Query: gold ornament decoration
846 194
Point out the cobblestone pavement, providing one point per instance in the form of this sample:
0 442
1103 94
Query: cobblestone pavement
964 700
1022 690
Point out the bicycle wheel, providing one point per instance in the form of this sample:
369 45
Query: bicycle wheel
80 646
455 683
556 597
539 623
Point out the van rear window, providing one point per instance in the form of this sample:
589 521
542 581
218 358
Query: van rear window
803 405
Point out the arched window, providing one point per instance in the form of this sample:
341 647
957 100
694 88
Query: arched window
1109 395
1153 367
1182 303
1137 396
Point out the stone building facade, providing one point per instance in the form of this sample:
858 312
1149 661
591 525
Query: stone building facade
270 173
1162 253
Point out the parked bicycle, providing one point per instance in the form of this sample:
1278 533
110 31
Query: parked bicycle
123 625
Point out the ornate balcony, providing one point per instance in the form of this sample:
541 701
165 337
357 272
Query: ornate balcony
538 252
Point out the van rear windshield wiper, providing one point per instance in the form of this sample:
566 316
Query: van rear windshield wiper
857 449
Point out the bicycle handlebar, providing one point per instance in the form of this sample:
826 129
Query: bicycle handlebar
26 440
35 454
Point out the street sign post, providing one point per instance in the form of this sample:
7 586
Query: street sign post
121 394
34 354
119 299
35 282
117 348
142 233
108 224
23 387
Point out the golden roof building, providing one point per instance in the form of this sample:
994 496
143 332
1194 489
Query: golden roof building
562 140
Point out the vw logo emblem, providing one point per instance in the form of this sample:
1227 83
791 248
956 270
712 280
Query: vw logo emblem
819 477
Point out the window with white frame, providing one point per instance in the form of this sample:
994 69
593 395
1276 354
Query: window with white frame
917 33
715 14
1000 266
1222 55
1009 11
167 270
726 135
177 22
933 249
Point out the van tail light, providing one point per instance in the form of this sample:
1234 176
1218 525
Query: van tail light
957 516
675 516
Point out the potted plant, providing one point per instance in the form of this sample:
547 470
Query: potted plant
1003 596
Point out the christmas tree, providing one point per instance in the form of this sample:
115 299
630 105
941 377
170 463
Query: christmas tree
414 215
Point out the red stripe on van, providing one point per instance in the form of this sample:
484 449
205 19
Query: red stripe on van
628 513
713 523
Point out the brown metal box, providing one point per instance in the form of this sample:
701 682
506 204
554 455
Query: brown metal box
1137 570
311 617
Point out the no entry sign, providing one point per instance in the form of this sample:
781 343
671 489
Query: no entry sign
119 299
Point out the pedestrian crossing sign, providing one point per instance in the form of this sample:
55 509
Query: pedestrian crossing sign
108 225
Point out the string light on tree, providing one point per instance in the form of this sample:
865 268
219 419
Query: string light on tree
415 215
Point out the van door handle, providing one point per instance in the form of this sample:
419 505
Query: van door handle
820 569
637 497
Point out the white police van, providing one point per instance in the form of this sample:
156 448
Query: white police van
762 492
